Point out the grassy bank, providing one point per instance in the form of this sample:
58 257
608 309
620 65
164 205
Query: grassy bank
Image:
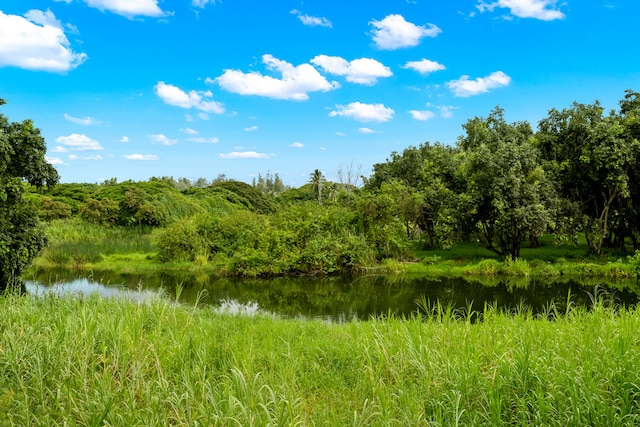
81 246
109 362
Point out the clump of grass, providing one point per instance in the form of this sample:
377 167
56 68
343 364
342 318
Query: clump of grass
93 361
516 267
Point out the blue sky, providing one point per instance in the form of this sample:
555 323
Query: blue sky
195 88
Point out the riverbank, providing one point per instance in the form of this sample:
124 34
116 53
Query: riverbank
88 248
97 361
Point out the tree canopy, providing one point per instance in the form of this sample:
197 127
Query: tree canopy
22 151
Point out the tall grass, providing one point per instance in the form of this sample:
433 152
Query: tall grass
77 243
92 361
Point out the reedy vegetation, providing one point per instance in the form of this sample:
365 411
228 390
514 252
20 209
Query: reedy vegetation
95 361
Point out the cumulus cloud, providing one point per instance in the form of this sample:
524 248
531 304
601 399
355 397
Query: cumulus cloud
365 71
545 10
140 157
189 131
36 42
79 142
76 157
422 115
312 21
161 139
295 84
424 66
245 155
124 139
129 8
446 111
296 145
54 160
393 32
364 112
200 140
251 129
464 87
202 3
81 121
175 96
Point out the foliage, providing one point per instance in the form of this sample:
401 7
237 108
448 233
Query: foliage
317 181
95 361
22 150
592 160
251 197
269 184
507 196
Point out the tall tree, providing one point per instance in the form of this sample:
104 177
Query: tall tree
22 151
592 160
317 181
507 196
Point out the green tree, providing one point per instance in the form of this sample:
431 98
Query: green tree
592 160
507 196
22 151
317 181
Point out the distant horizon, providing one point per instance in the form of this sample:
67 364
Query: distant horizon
195 89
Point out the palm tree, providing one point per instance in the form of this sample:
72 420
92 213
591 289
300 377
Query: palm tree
317 181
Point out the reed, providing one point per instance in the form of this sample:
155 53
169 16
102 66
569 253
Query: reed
93 361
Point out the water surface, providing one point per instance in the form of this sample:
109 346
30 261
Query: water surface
339 298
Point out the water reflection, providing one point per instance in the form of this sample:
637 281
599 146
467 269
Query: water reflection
341 298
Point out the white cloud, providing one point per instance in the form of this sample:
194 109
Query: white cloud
296 145
365 71
463 87
175 96
422 114
212 140
251 129
424 66
161 139
189 131
59 149
36 43
75 157
203 116
129 8
366 130
81 121
141 157
364 112
54 160
124 139
341 134
202 3
79 142
245 155
312 21
295 83
393 32
545 10
446 111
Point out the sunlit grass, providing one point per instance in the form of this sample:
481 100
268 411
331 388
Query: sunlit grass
97 361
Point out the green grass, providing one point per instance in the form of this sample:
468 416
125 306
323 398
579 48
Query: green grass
81 246
92 361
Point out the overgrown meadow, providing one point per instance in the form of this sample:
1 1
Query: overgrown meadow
94 361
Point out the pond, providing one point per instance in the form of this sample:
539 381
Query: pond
340 298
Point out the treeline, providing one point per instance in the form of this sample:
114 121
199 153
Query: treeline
502 184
